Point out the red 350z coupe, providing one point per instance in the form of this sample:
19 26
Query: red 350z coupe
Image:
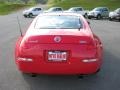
59 44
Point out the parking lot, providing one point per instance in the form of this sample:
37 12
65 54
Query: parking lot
12 79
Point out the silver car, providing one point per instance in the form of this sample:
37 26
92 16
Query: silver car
99 12
115 15
34 11
78 10
54 9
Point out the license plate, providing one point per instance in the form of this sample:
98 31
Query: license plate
57 56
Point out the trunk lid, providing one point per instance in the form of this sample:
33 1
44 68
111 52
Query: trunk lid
60 36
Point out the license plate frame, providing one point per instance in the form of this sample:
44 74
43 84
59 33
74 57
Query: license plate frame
57 56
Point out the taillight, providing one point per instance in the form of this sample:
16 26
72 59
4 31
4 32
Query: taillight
25 59
28 43
25 45
89 47
89 44
89 60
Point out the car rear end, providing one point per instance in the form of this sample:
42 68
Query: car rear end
58 51
73 55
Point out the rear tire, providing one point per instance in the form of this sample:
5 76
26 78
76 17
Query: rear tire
110 19
81 76
89 17
99 17
86 16
119 20
25 16
29 74
97 71
30 15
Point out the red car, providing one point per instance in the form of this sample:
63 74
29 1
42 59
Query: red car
61 44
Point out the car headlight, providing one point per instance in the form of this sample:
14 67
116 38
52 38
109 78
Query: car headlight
110 14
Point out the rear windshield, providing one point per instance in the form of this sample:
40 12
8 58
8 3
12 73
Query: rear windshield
58 21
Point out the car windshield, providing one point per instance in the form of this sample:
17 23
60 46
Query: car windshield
58 21
97 9
75 9
31 9
117 10
53 9
71 9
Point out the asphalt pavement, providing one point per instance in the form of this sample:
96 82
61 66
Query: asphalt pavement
11 79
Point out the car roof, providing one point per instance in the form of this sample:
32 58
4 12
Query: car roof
55 7
76 7
101 7
35 7
60 13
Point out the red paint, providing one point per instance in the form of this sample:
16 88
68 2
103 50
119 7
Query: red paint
37 43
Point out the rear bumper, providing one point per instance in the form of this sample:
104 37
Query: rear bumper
74 64
118 18
66 68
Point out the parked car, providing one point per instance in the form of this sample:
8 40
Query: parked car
78 10
54 9
64 44
34 11
99 12
115 15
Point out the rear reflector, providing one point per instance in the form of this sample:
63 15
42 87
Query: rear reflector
89 60
25 59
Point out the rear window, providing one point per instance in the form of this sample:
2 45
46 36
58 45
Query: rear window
58 21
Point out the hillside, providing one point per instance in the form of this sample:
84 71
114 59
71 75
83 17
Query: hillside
7 8
87 4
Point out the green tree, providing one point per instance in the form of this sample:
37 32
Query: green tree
25 1
41 1
2 1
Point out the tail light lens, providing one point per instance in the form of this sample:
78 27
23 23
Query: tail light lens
24 59
89 60
89 43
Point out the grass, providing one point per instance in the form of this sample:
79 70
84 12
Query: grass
87 4
8 8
